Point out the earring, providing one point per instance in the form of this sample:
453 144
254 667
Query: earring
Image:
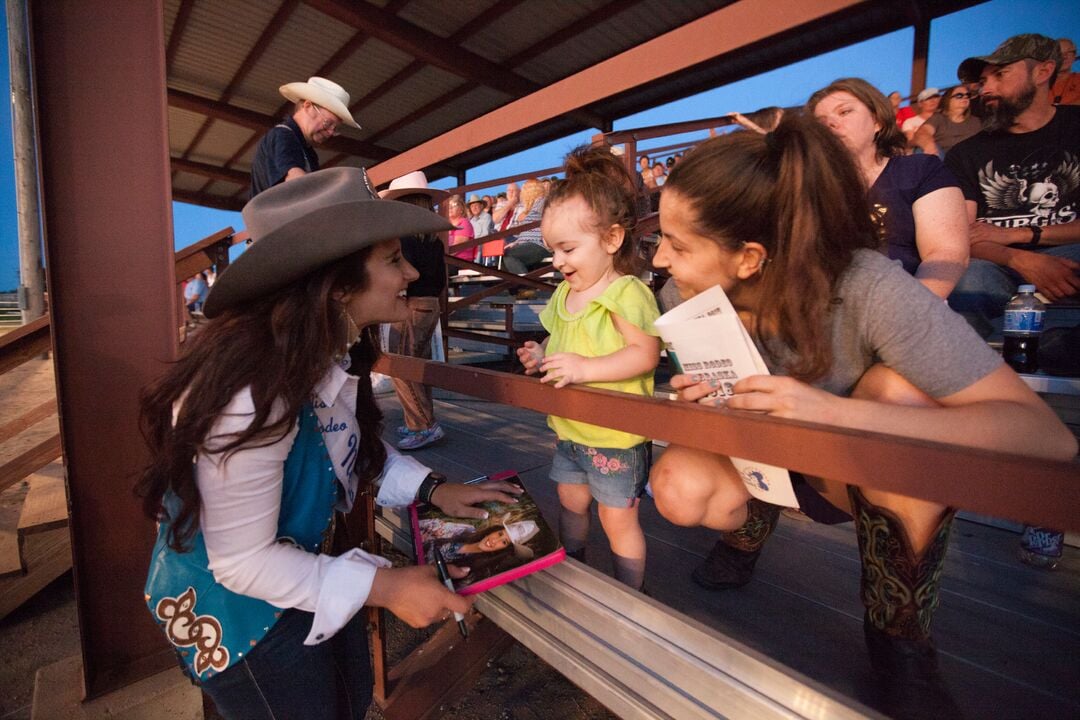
351 332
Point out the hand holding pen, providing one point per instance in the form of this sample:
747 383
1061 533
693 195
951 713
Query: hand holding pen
444 576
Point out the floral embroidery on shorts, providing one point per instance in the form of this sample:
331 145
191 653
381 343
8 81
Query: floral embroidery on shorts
607 465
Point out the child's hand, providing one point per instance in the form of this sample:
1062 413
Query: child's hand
531 354
564 368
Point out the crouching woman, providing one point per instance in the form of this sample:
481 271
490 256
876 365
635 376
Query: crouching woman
780 221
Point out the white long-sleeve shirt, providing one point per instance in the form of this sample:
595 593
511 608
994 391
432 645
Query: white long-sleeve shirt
241 499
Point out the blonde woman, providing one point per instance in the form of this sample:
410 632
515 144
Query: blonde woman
527 251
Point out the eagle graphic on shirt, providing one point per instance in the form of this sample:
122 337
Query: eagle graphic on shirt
1037 194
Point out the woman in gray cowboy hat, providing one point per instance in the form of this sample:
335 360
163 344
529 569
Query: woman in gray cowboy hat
256 442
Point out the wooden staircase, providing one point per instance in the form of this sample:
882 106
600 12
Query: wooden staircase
35 545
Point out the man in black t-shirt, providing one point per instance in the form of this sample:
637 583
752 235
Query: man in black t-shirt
286 152
1021 180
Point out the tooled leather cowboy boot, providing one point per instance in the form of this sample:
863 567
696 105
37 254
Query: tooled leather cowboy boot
900 594
731 562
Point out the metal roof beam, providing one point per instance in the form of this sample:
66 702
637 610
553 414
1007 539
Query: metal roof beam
183 14
206 200
722 31
261 123
210 171
424 45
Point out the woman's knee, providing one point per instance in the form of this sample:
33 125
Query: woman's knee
885 385
687 483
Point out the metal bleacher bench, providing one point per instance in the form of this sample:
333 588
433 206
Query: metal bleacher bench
637 656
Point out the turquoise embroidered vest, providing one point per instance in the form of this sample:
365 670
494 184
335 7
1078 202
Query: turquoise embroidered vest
212 627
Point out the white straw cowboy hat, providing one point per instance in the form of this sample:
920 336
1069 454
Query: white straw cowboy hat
324 93
303 224
415 183
520 533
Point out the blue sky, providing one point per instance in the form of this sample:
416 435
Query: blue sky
885 61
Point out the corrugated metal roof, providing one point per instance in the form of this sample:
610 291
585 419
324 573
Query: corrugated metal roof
416 69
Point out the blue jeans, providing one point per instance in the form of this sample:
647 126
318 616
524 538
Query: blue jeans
985 288
281 678
616 477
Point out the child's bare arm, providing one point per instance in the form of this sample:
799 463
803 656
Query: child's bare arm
641 354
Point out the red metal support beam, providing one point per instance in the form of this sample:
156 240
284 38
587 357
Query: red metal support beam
919 53
725 30
107 210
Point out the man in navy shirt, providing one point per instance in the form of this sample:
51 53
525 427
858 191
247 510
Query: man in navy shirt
286 152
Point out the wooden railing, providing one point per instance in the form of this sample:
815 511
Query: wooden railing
33 340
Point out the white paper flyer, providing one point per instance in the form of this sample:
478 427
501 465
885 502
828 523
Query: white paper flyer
704 336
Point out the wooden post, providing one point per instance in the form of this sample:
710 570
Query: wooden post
918 56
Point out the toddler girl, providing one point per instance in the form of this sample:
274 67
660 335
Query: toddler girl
600 321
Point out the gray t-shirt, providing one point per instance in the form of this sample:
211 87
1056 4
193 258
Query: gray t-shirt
883 315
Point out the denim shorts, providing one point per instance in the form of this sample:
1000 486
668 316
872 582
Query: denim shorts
615 476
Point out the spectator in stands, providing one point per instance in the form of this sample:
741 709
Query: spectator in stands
1020 180
954 123
483 226
600 321
659 173
505 209
926 105
412 336
968 75
286 152
195 292
902 113
782 224
479 217
255 443
1066 88
463 229
527 250
645 177
916 202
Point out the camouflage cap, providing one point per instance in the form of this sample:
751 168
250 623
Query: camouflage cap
1018 47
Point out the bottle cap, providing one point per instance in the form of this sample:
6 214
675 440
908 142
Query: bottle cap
1026 289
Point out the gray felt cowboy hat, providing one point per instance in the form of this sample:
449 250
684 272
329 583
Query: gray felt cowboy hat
324 93
303 224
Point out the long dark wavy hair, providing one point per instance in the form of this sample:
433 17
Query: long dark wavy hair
280 346
608 188
796 191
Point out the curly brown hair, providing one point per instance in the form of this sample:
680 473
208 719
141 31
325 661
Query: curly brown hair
601 179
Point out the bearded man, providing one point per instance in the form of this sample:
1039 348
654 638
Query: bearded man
1021 182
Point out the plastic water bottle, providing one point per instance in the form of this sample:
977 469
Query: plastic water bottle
1023 323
